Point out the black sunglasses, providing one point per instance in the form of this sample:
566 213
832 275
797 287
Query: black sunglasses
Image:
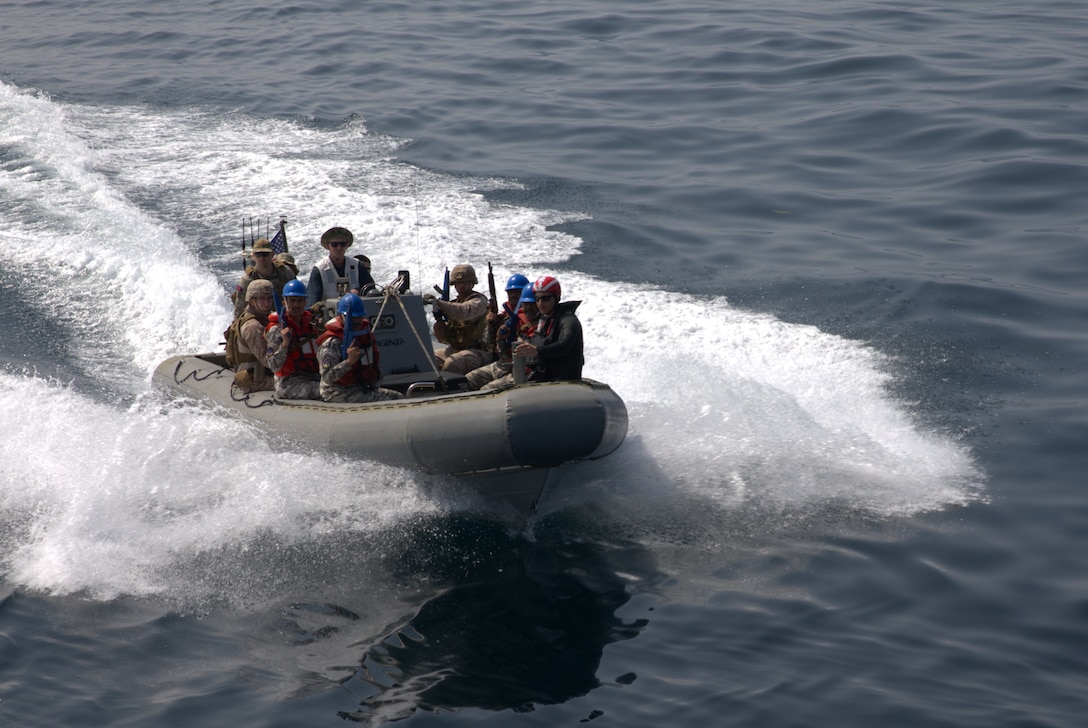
339 244
262 254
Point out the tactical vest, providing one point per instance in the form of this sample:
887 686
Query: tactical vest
467 334
238 354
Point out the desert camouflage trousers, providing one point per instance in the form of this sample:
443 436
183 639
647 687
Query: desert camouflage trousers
506 380
480 376
463 361
243 379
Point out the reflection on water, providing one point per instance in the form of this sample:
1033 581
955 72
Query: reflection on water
531 633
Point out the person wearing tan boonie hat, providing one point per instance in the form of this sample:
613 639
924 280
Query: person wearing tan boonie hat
336 274
263 268
288 260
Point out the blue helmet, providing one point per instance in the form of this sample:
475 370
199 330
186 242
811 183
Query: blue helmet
350 306
516 282
295 288
527 294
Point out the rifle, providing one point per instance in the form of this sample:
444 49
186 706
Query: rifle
353 337
243 244
493 304
444 292
349 337
279 306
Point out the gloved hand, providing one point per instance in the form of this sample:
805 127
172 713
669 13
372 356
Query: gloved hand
429 298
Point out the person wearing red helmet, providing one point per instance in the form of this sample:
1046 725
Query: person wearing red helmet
557 346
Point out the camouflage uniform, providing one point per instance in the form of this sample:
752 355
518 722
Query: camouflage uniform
293 386
500 373
334 367
480 376
281 274
463 331
254 375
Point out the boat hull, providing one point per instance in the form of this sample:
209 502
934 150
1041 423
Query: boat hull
491 434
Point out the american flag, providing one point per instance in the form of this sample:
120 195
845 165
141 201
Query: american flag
279 242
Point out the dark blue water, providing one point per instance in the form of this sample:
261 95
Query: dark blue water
830 254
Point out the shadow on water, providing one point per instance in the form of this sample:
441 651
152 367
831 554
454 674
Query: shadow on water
523 623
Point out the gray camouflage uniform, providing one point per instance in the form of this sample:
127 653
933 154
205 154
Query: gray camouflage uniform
295 386
333 367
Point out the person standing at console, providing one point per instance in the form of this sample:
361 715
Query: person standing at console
336 274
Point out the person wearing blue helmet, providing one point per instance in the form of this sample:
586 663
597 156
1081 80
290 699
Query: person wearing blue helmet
292 347
519 327
486 371
514 286
347 356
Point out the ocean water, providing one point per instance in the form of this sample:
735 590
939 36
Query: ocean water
831 254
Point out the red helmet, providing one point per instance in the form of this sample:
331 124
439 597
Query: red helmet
547 284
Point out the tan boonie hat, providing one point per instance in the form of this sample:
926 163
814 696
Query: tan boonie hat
262 246
259 288
335 233
463 272
284 259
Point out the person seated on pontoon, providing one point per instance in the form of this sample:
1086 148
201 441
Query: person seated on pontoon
528 316
558 354
460 323
287 260
348 357
292 347
251 372
336 274
499 344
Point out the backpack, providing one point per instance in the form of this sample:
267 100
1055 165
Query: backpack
230 347
233 336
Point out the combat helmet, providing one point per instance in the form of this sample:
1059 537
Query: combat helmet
463 273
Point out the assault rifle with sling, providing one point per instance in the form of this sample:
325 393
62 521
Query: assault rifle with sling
493 303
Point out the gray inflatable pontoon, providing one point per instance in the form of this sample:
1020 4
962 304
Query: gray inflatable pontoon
504 440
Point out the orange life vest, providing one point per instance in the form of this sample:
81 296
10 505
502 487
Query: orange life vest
365 372
302 354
